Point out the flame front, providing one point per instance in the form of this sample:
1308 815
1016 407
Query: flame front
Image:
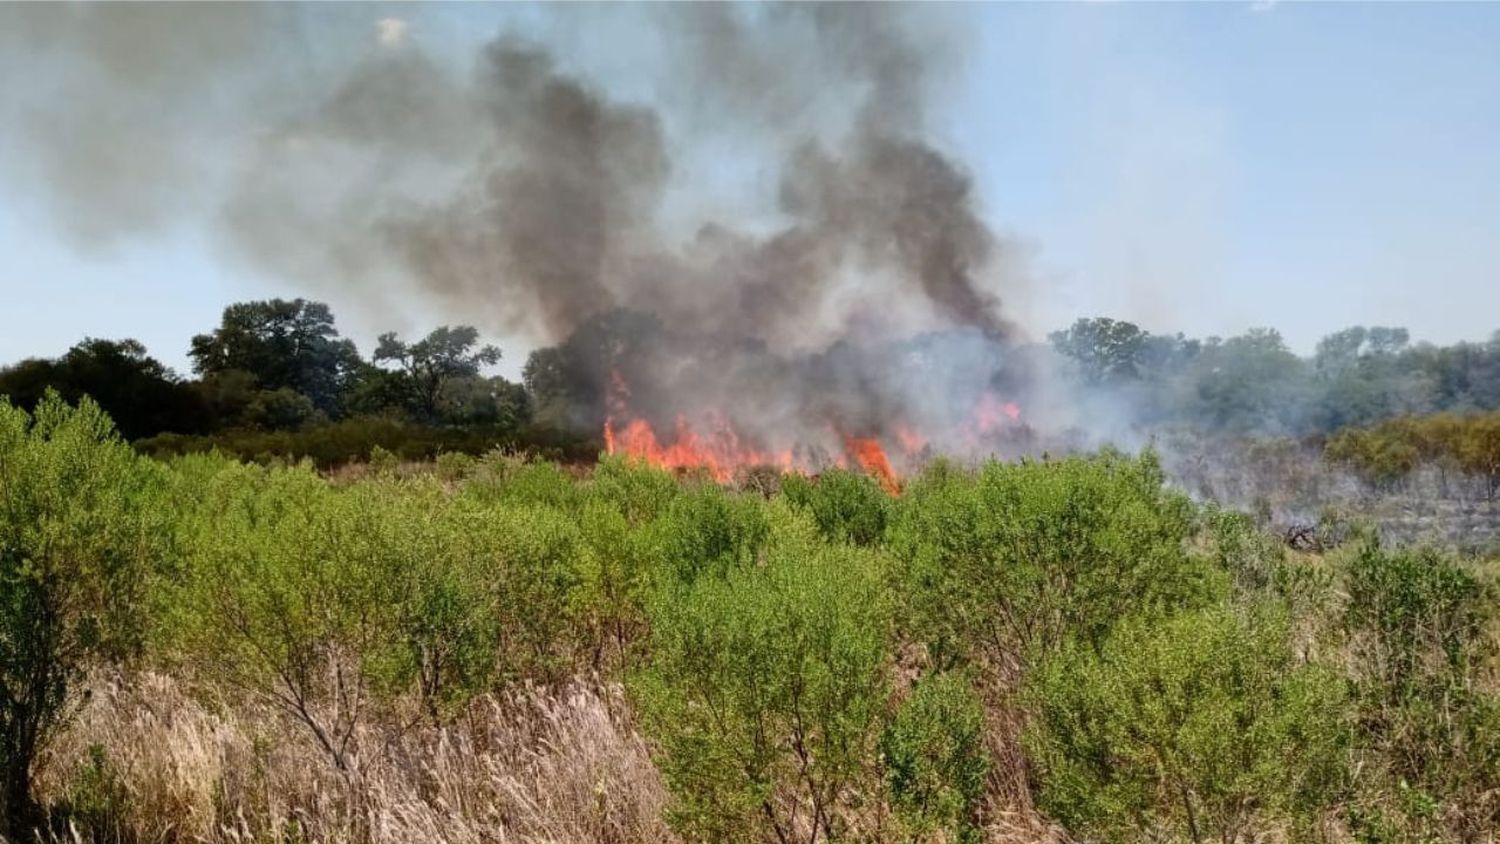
867 452
720 454
714 446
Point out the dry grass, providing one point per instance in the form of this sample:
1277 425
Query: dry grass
146 762
532 766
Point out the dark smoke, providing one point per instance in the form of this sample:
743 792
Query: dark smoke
856 288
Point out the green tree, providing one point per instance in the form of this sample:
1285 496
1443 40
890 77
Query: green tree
430 364
80 538
1105 350
282 344
1248 383
142 396
476 400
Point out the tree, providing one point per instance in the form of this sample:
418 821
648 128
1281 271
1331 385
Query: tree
1106 350
1249 383
142 396
80 534
573 382
476 400
283 344
446 354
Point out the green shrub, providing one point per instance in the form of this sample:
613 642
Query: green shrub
766 688
847 506
935 761
614 578
1012 560
707 530
454 465
529 556
1418 626
81 537
501 478
640 492
318 598
1200 726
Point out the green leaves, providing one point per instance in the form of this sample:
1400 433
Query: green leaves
933 751
82 536
1194 726
767 685
1012 560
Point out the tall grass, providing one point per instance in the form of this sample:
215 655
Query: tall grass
145 762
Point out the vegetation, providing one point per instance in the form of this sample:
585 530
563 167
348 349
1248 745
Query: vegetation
493 648
1254 384
1464 450
276 380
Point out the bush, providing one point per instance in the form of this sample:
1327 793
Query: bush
288 591
766 687
1014 559
935 760
847 506
1418 624
1198 727
80 539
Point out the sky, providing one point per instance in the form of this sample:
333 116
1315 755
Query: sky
1203 168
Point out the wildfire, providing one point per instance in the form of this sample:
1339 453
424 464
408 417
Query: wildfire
991 414
715 447
871 457
721 453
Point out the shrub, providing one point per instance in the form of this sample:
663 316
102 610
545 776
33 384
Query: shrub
528 556
330 601
847 506
707 531
935 761
766 687
454 465
80 537
640 492
1418 626
1198 726
1012 560
501 478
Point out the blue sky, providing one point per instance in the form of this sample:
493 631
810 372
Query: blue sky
1203 168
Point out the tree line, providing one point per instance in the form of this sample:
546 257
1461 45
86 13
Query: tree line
1254 384
810 659
275 377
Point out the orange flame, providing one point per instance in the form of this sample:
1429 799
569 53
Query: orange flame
721 452
871 457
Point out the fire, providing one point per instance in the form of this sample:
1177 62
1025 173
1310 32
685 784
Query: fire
715 447
991 414
720 454
871 457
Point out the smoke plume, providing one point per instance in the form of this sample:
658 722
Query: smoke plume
756 225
